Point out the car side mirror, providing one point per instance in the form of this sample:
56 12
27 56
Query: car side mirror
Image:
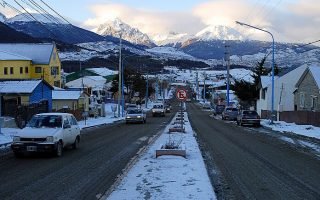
65 126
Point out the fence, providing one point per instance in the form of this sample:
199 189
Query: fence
25 112
298 117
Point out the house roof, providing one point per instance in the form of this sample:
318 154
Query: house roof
315 72
10 56
39 53
66 94
22 86
88 81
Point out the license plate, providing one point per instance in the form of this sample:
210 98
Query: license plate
31 148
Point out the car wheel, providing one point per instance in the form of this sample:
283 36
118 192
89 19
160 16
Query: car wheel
76 143
59 149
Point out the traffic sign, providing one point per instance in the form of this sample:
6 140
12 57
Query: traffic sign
182 94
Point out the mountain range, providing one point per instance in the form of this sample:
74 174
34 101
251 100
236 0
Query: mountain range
206 46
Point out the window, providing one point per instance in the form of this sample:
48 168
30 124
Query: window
38 70
26 70
54 71
11 70
21 70
314 100
301 100
5 71
263 94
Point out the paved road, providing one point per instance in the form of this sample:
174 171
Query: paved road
251 165
86 173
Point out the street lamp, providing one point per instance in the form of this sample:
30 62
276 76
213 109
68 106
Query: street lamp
120 77
272 81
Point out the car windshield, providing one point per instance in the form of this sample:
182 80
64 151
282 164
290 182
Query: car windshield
50 121
250 113
158 106
134 111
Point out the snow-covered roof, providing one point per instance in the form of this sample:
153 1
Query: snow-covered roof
87 81
66 94
11 56
39 53
315 71
103 71
23 86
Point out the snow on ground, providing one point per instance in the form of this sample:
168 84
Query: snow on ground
167 177
170 52
306 130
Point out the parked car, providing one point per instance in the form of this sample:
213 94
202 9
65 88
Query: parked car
219 109
158 109
230 113
136 115
248 117
47 132
206 106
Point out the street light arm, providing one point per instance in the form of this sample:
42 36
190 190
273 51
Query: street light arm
244 24
272 67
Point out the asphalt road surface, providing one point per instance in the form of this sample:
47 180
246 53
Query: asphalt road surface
85 173
244 164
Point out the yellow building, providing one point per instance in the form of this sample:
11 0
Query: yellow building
30 61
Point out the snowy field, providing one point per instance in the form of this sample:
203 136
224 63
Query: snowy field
167 177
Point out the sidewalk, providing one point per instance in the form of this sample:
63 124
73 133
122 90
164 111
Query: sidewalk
167 177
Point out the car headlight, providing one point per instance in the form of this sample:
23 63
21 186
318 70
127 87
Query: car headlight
153 111
138 116
16 138
49 139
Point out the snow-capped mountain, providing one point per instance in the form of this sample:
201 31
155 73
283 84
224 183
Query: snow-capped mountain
219 33
2 18
172 38
134 35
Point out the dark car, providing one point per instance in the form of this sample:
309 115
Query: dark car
219 109
230 113
248 117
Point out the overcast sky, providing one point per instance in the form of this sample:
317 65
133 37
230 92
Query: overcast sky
288 20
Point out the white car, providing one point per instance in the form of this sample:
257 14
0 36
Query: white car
136 115
47 132
158 109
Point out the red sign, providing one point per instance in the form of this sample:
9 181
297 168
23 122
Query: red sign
181 94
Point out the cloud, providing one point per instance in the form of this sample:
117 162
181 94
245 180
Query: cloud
289 21
150 22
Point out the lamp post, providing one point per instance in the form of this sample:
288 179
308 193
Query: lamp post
120 77
272 80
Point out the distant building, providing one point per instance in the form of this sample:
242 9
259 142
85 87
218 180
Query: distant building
70 99
30 61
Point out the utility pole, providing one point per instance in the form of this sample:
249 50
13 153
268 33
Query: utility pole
204 86
147 88
197 82
120 76
227 59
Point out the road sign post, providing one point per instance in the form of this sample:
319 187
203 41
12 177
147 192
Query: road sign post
182 96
